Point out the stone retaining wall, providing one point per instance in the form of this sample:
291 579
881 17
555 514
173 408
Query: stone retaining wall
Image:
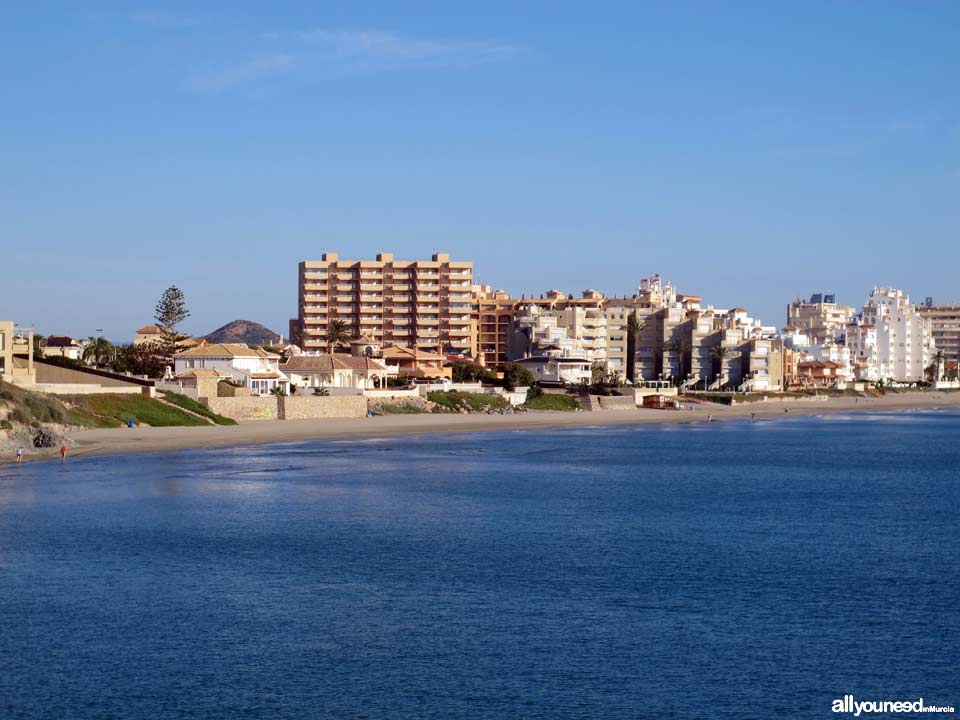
318 406
263 407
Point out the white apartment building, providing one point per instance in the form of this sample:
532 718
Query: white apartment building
891 341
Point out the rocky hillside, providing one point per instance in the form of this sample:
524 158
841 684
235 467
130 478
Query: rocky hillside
243 331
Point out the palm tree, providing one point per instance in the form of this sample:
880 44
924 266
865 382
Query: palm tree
720 353
938 360
634 328
338 333
98 350
680 347
298 339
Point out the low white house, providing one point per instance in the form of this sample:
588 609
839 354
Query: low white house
546 368
254 368
338 370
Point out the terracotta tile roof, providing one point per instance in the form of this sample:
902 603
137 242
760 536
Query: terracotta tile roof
329 363
202 373
214 350
149 330
401 352
264 376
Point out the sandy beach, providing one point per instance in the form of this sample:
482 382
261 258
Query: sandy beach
165 439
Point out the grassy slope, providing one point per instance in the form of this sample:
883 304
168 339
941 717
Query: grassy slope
188 403
552 401
116 410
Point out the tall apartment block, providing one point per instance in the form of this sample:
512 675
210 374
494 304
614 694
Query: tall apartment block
422 303
945 326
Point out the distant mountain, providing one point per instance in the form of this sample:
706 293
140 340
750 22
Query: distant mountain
243 331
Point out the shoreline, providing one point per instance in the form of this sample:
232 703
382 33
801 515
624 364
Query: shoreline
122 441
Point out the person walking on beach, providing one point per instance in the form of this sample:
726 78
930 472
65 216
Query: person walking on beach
19 454
63 454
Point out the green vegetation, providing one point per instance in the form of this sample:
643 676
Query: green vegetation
116 410
448 401
29 408
551 401
188 403
398 409
515 376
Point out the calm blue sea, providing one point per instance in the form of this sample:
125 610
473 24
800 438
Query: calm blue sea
732 570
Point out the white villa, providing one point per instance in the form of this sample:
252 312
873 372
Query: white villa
551 368
254 368
338 370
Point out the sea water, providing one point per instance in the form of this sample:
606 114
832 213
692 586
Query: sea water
731 570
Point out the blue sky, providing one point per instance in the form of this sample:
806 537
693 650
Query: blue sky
748 151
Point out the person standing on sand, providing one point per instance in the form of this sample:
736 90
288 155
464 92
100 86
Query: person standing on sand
19 454
63 454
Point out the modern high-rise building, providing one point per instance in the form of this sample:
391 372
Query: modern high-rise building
422 303
891 340
945 327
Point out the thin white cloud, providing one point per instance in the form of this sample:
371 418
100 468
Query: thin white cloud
162 20
257 67
334 52
393 49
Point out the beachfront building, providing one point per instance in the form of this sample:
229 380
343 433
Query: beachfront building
558 369
337 370
415 363
418 303
891 341
820 318
818 374
16 354
945 328
61 346
253 368
493 318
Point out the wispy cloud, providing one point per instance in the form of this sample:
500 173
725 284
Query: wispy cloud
333 52
257 67
162 20
393 49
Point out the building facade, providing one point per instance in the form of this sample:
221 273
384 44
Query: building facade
422 303
945 328
820 318
891 340
253 368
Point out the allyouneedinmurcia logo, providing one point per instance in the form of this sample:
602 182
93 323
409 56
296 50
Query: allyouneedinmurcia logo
849 704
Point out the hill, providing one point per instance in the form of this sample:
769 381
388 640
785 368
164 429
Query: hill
243 331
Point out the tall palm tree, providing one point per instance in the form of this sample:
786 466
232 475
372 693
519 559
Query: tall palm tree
938 359
338 333
720 353
635 326
97 350
681 348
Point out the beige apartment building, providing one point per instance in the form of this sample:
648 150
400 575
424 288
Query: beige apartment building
422 303
945 327
16 354
820 318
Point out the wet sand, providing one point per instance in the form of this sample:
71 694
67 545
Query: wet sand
166 439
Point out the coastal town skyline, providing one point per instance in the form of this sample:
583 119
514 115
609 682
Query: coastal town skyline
205 318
